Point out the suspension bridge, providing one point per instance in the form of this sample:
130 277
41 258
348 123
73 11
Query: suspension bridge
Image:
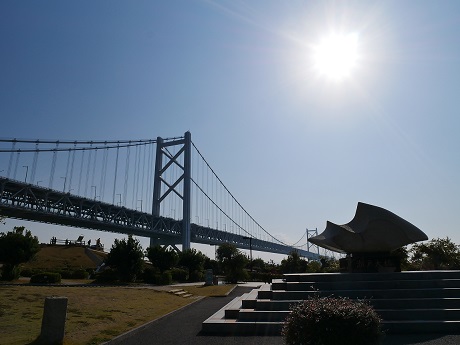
162 189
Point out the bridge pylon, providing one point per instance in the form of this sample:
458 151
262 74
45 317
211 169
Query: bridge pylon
312 233
163 161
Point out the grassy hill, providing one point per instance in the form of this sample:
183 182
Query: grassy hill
65 257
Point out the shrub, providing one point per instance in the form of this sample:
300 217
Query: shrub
80 274
107 276
331 321
28 272
150 275
196 276
66 274
46 278
179 274
9 272
165 278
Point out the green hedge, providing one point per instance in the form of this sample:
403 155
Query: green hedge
46 278
179 274
149 275
80 274
29 272
107 276
164 278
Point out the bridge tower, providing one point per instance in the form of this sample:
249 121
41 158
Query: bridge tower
163 161
312 233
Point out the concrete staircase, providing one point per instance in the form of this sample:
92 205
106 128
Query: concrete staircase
408 302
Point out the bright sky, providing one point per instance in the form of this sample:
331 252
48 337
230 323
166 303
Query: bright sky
303 108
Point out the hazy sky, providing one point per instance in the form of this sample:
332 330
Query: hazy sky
296 146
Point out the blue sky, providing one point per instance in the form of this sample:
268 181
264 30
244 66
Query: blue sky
295 148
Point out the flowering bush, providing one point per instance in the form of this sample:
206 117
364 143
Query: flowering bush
332 321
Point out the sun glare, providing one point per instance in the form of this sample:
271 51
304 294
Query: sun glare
336 56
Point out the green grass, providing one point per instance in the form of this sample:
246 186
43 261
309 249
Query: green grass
62 257
94 314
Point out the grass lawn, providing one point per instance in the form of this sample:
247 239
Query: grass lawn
94 314
61 257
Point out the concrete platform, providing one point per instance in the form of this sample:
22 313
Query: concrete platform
408 302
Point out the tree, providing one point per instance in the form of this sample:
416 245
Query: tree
437 254
402 255
193 260
232 262
126 258
259 265
294 263
16 247
211 264
162 257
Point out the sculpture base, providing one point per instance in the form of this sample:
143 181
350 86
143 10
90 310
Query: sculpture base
370 263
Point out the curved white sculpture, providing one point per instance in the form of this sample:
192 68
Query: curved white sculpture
372 230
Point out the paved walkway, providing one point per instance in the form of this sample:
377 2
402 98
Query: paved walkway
184 327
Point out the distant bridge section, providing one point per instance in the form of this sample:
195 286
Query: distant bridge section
35 203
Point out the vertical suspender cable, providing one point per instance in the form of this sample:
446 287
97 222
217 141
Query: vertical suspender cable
72 165
67 170
88 169
104 171
81 170
53 165
133 204
34 163
11 158
115 175
94 173
143 174
125 187
16 164
149 190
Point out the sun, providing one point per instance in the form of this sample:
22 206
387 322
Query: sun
336 56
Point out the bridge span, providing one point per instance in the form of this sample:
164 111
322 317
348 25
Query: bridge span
31 202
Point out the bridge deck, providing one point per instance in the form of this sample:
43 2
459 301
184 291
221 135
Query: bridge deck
30 202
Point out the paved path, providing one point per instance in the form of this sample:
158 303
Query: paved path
184 327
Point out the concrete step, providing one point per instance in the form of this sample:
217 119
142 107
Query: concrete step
409 275
241 328
269 305
409 303
234 328
416 303
180 293
364 285
232 309
370 294
387 315
421 327
264 294
419 314
248 315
